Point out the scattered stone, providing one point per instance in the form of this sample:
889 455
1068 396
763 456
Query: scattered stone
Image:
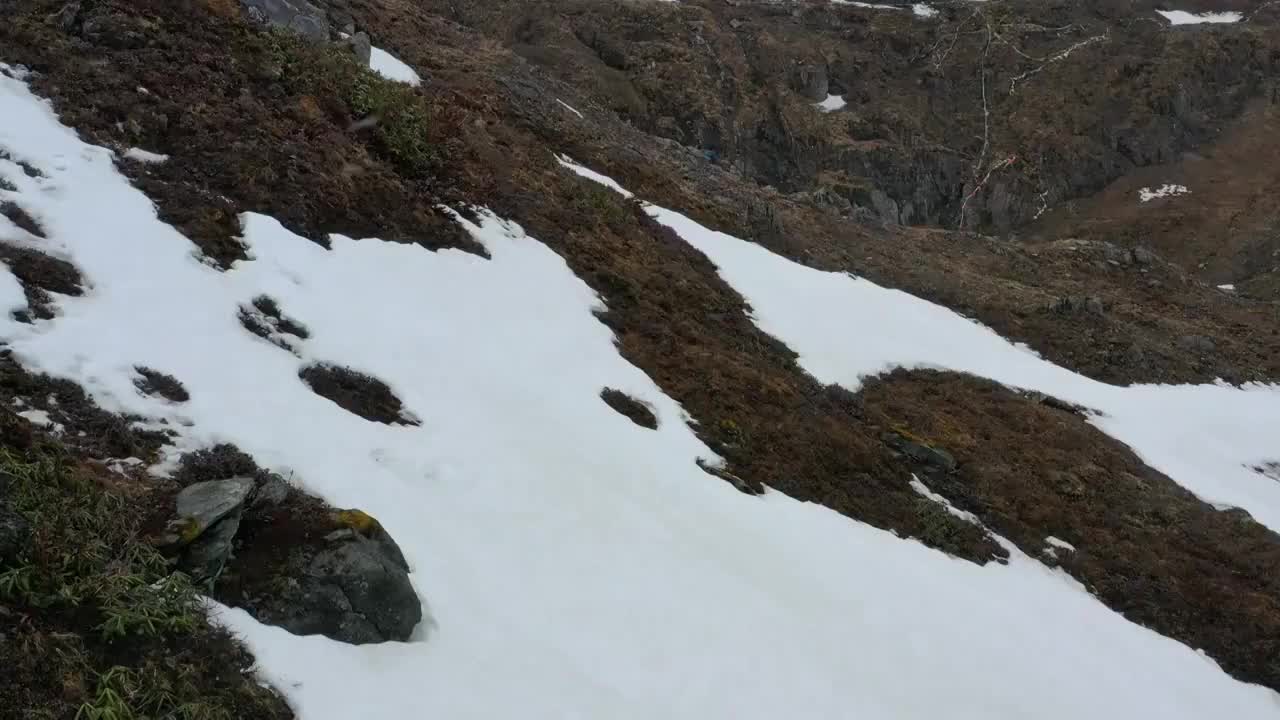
743 486
812 82
298 16
1116 255
205 503
1143 256
360 47
936 458
65 19
1056 403
205 558
273 492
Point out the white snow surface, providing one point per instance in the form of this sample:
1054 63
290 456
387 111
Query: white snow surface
569 107
1146 194
917 9
579 566
1206 437
1182 17
391 67
145 156
37 417
832 103
1059 543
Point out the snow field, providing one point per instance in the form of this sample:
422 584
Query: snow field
576 565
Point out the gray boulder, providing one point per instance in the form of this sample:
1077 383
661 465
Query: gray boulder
298 16
202 504
361 47
811 81
355 591
208 517
272 493
205 558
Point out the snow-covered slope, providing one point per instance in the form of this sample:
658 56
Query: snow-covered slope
577 565
1209 438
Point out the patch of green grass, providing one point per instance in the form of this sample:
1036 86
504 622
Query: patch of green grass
402 114
84 555
939 528
98 627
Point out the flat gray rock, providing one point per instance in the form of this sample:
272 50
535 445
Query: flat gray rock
205 503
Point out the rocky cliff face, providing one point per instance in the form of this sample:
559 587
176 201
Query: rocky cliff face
998 110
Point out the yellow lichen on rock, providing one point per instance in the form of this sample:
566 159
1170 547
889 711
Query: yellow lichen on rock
357 520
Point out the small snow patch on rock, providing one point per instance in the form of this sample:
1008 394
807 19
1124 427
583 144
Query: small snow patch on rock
1146 194
391 67
1182 17
831 104
145 156
569 107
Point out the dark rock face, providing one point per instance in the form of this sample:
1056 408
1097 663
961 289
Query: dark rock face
940 115
298 16
208 518
205 558
361 47
811 81
355 591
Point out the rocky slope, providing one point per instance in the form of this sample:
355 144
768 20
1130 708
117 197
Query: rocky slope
989 158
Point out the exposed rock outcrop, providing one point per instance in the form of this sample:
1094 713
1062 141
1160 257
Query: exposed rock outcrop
298 16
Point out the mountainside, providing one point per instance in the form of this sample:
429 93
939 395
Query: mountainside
639 358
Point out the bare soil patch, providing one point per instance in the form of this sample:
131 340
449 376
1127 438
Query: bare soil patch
634 410
357 393
41 274
21 218
154 382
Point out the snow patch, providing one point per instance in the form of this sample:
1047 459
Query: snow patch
41 418
593 176
1228 287
1059 543
1146 194
924 491
569 107
12 296
832 103
392 68
918 9
145 156
1182 17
